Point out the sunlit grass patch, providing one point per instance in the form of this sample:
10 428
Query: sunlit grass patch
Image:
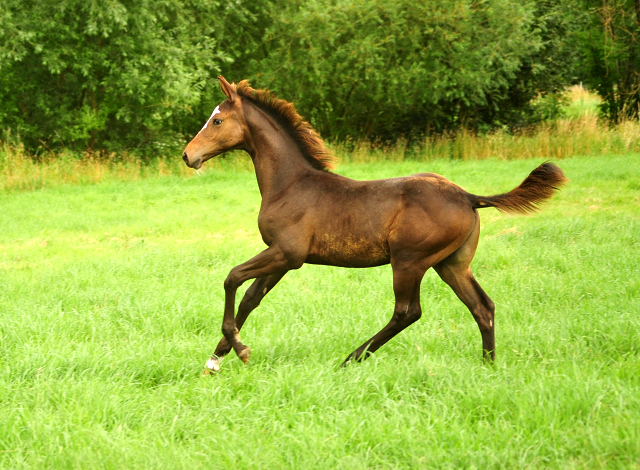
581 102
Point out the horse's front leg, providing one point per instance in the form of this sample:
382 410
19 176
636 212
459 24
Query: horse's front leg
272 261
252 298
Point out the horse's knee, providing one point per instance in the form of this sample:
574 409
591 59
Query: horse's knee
484 316
491 311
407 314
232 281
488 303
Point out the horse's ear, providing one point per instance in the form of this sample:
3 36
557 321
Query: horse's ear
228 89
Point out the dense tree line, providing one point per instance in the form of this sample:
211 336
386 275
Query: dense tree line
140 74
610 52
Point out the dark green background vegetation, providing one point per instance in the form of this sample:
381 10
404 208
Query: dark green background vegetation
140 75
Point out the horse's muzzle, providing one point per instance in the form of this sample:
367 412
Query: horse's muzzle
197 164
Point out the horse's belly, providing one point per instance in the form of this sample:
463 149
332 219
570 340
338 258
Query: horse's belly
350 251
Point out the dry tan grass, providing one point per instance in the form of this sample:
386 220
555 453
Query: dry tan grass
583 134
587 135
20 171
23 172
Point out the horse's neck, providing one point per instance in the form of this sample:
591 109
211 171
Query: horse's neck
277 159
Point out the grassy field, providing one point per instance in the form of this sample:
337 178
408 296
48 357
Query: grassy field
111 301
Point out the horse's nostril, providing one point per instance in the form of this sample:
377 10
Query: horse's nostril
185 158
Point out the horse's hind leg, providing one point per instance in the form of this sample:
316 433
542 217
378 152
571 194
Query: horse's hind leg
252 298
455 271
406 286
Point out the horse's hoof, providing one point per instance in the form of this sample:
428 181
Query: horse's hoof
245 354
213 365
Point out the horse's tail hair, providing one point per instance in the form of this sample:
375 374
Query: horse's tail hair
540 185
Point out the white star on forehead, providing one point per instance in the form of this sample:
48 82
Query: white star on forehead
215 111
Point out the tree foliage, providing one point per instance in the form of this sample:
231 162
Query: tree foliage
394 67
104 73
116 74
610 43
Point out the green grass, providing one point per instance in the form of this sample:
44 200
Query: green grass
111 301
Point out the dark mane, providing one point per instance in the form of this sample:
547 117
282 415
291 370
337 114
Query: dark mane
308 140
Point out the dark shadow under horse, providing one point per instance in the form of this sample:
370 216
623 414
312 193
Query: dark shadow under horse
310 215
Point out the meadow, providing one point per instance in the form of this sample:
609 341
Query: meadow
111 302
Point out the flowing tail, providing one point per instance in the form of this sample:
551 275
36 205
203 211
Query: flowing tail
540 185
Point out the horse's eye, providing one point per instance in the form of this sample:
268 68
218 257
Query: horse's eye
217 122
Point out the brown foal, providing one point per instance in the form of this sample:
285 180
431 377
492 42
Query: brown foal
310 215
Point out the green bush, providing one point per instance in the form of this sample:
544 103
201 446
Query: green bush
104 74
382 69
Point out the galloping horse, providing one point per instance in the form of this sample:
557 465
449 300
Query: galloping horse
310 215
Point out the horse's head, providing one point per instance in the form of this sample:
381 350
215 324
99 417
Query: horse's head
225 130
